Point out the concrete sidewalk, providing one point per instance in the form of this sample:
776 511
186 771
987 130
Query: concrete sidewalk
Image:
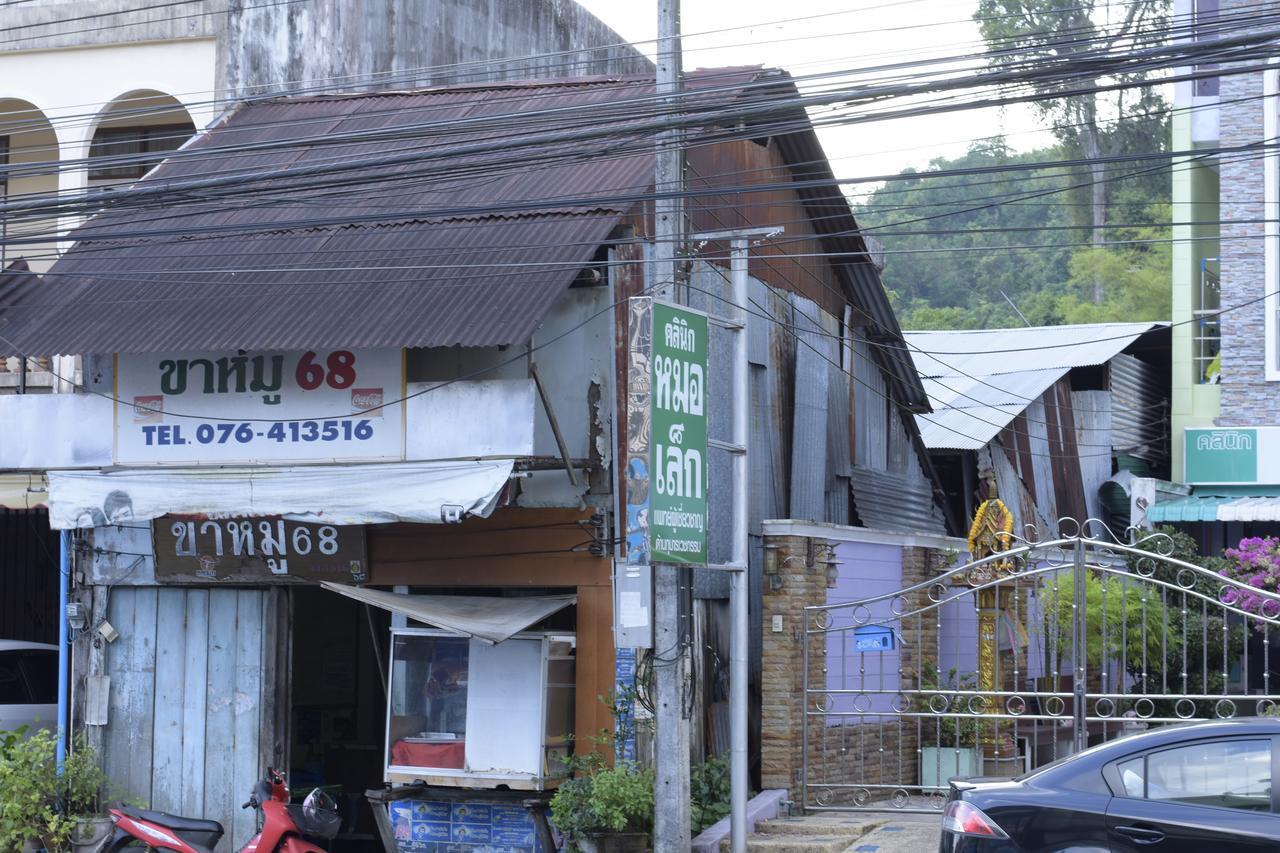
864 832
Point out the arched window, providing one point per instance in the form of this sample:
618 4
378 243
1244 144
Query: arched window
28 169
134 133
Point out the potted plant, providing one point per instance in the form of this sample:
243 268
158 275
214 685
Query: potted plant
948 744
84 798
606 809
40 806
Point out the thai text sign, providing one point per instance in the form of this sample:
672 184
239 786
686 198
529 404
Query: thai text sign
678 491
1222 456
244 407
257 550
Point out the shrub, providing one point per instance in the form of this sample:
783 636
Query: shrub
622 797
709 793
944 729
36 803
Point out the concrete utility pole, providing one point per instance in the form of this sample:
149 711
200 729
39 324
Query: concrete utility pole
671 634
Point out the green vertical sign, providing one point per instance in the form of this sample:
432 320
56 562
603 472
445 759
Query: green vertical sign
678 461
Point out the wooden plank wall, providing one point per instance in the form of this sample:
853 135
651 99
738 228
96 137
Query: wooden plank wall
187 712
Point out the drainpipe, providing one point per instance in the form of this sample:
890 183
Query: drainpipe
64 646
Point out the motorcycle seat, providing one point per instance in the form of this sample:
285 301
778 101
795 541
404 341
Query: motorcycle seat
206 832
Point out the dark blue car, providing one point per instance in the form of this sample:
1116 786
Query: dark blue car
1195 788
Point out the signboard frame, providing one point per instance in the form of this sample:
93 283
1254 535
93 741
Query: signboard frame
679 361
1231 456
259 407
256 551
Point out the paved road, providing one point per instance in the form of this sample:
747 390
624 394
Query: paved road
902 833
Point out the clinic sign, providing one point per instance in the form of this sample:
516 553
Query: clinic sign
259 407
678 422
1233 456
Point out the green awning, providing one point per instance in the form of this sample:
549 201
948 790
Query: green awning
1220 503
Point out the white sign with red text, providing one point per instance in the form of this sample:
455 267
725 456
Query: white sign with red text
251 406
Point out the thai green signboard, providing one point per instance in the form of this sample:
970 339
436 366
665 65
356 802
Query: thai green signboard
1223 456
678 423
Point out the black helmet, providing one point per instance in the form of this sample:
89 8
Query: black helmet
320 815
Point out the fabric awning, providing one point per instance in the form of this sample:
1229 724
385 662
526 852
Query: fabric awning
422 492
484 617
1220 504
23 491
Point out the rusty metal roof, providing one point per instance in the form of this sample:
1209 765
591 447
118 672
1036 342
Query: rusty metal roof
430 248
311 264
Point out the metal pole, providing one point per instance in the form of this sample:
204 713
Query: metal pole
1081 651
64 645
670 646
739 586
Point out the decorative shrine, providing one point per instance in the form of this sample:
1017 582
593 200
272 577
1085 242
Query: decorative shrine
990 535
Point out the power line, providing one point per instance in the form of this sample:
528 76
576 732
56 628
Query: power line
330 140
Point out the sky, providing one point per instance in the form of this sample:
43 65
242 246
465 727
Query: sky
808 36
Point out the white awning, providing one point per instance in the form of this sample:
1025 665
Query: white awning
422 492
484 617
1250 509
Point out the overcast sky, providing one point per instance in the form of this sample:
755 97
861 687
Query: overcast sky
839 34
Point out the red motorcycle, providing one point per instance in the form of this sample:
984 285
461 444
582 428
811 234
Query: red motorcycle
286 827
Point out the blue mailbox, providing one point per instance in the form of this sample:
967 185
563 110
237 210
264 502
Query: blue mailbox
873 638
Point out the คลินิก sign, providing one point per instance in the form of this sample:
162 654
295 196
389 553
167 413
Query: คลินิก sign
678 387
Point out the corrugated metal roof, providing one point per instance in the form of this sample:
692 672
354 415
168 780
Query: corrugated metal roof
208 274
889 501
1246 503
979 381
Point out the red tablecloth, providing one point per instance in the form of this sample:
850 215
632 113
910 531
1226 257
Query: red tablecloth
450 755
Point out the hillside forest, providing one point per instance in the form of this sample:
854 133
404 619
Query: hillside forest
960 248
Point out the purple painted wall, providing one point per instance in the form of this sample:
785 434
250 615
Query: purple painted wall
865 571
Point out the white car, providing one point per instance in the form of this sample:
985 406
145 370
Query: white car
28 685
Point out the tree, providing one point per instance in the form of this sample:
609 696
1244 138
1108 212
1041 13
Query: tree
1096 124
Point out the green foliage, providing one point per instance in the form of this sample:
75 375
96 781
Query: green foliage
1089 124
709 792
622 797
1124 619
611 799
36 803
940 729
942 274
1183 645
571 810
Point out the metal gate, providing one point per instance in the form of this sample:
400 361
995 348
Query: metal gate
1004 664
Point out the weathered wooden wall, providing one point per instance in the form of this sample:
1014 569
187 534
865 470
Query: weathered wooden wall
192 709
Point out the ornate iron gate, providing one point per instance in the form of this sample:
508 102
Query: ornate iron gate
1004 664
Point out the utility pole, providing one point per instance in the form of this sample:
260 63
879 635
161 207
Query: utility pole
739 584
671 634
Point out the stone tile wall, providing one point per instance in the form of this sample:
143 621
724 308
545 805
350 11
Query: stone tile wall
1247 398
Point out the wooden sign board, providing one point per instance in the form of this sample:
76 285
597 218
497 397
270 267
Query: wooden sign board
257 551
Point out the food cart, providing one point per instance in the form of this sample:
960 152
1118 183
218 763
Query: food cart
480 715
